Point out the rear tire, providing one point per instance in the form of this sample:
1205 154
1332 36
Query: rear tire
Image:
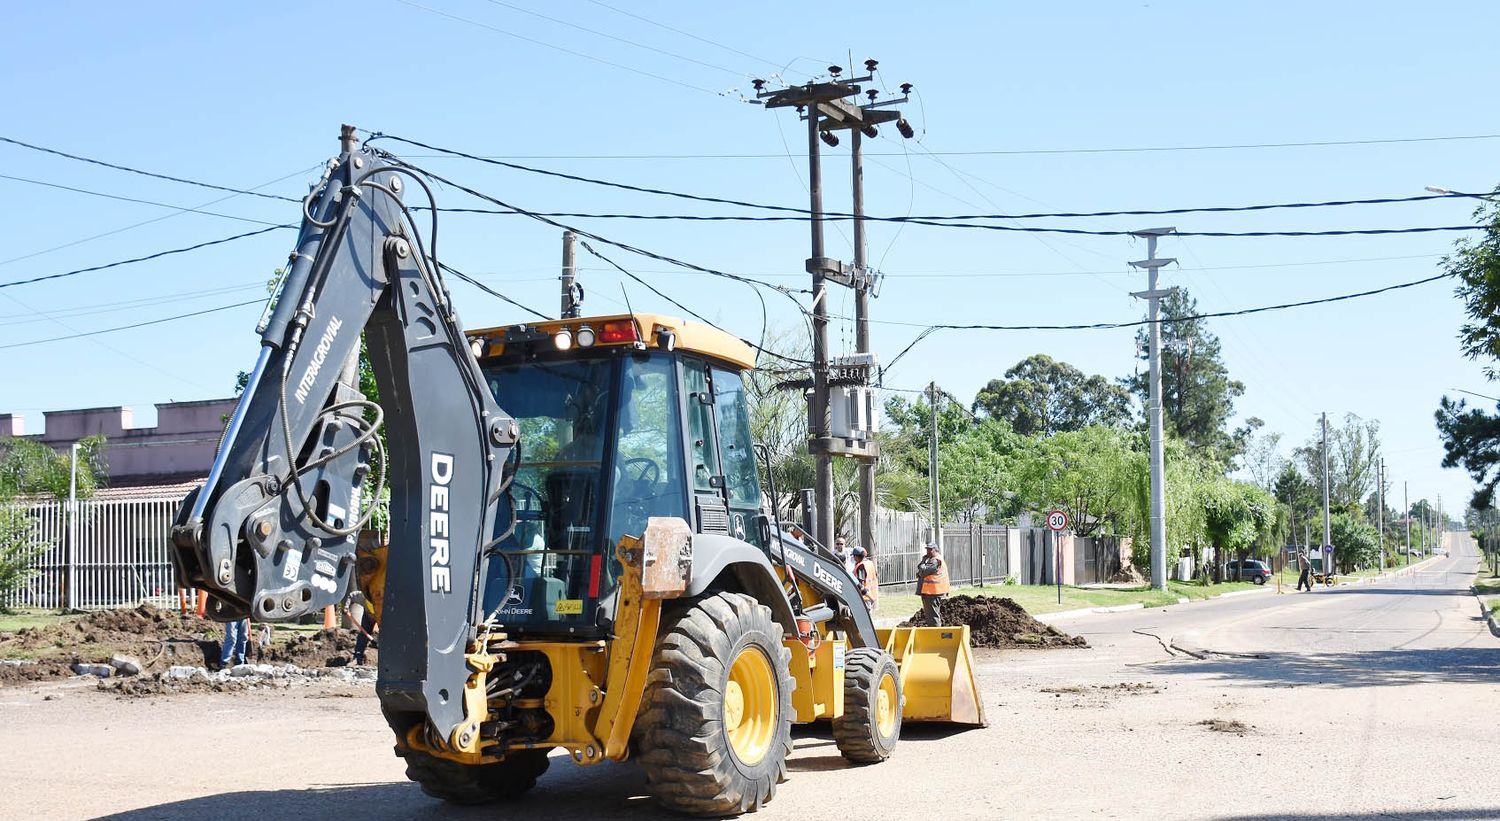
476 783
868 730
1260 579
717 725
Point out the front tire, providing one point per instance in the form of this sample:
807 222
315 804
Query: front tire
717 725
470 784
868 730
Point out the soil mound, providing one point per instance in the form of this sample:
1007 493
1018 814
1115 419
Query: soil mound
159 639
325 648
997 622
1128 575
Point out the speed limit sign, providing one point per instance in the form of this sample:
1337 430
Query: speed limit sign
1057 521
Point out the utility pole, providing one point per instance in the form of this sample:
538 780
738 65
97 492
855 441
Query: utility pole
1406 505
1327 530
1153 295
572 295
826 111
1380 508
934 486
71 590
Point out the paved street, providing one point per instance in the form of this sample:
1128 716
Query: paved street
1373 701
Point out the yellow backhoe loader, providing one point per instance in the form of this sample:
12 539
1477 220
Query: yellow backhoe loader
581 556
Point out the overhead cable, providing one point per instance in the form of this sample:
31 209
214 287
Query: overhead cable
133 199
160 321
168 177
147 258
928 330
491 291
1020 151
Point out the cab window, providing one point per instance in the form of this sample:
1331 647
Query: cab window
734 440
704 461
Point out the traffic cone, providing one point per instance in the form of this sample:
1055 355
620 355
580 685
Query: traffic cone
202 606
329 620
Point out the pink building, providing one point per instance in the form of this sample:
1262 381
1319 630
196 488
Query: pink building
179 449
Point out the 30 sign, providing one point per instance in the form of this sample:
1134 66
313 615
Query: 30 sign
1057 521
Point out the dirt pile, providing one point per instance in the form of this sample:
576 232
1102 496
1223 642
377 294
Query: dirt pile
159 639
998 622
1127 575
325 648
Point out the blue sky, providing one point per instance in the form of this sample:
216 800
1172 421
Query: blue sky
253 96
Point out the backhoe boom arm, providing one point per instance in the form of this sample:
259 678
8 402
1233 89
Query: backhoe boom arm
272 534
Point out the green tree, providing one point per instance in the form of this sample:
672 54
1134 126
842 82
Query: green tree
1043 395
1353 451
30 469
1302 499
1197 393
1471 436
1355 542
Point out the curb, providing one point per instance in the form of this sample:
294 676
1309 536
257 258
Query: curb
1121 608
1489 616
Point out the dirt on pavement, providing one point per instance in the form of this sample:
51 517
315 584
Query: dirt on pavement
159 639
997 622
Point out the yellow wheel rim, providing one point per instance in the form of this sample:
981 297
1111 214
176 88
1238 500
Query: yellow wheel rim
750 706
887 707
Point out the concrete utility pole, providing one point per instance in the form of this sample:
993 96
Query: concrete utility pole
826 111
1380 508
571 298
72 587
934 486
1327 530
1406 505
1153 295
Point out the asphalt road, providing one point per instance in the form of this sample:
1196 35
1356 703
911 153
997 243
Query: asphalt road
1375 701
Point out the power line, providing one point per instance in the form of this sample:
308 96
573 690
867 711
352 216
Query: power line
169 178
151 221
617 38
784 291
804 214
928 330
160 321
555 47
126 305
491 291
950 222
731 49
136 200
147 258
1019 151
764 320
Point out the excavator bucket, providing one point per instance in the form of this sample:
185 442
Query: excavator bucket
937 673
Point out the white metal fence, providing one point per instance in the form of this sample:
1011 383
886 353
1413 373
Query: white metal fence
116 558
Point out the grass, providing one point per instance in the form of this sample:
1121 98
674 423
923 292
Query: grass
14 620
1486 584
1037 599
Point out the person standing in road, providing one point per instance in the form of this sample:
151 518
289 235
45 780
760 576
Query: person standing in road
864 574
1304 570
236 642
841 552
932 584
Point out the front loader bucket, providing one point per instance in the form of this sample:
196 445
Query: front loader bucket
937 673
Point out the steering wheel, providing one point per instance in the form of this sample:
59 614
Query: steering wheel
648 470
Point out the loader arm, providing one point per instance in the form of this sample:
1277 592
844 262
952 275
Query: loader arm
272 533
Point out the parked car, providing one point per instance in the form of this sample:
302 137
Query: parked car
1249 570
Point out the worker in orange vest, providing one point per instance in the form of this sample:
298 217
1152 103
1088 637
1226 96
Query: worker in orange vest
864 575
932 584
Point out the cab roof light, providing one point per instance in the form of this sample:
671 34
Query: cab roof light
619 330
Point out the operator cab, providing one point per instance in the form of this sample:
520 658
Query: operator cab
622 418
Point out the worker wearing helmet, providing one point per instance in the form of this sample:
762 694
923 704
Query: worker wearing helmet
864 574
932 584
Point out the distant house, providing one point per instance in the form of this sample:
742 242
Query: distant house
180 449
